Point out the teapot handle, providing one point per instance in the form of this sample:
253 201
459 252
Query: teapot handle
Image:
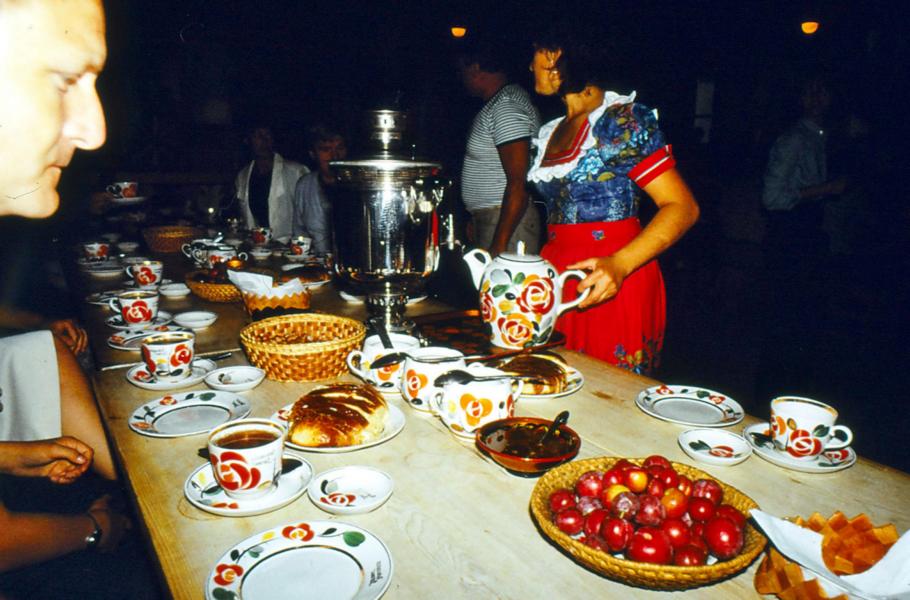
562 282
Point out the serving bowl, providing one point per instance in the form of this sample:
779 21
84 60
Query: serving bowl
195 319
235 379
513 444
647 575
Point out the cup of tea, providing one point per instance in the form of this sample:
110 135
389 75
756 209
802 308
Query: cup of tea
137 307
261 236
386 379
466 407
805 428
168 356
246 456
421 369
301 245
123 189
96 250
146 274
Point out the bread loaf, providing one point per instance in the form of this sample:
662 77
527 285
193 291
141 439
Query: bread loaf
338 415
544 373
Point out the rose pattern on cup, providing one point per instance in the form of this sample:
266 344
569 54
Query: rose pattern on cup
145 276
137 312
234 473
183 355
475 409
414 383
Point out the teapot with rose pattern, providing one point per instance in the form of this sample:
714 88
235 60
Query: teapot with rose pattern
520 295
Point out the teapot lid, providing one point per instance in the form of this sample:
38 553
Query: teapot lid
520 256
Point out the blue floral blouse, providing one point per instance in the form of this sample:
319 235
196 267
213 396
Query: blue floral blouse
621 150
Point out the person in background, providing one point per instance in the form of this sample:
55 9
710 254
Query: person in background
494 175
265 188
592 166
51 52
312 211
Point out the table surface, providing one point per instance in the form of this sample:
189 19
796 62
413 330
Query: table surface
457 525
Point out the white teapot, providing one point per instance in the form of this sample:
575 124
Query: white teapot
519 295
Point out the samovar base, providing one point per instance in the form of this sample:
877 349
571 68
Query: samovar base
388 307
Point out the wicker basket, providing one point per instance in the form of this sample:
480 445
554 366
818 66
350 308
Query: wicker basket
213 292
658 577
307 347
170 238
259 307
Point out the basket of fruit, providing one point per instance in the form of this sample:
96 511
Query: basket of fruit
212 285
647 522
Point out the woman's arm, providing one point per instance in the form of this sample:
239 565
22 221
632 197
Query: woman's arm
677 212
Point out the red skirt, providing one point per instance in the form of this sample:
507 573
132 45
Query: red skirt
628 329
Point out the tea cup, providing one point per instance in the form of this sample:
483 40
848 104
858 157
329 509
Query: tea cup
421 369
123 189
386 379
96 250
246 456
466 407
146 274
168 356
220 254
261 235
804 428
137 307
301 245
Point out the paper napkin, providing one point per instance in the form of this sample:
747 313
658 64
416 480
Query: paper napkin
261 285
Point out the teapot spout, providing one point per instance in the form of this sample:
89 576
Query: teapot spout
478 260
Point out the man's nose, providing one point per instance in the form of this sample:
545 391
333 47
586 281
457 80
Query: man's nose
84 123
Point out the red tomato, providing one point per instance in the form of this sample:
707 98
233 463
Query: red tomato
590 484
701 509
561 499
708 488
636 479
724 537
658 461
675 502
617 533
569 521
594 520
669 478
677 531
689 556
725 510
685 485
650 545
651 512
613 477
655 488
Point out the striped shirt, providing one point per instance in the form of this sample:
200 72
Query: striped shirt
506 117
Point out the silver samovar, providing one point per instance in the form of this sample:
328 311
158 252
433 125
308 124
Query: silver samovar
386 228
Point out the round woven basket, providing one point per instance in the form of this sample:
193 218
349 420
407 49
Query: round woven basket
658 577
170 238
213 292
305 347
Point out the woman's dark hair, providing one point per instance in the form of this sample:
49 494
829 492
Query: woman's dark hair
584 59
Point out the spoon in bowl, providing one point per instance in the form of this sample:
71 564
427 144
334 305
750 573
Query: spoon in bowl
560 419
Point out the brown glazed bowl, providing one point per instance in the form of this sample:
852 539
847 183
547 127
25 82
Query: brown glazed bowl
511 443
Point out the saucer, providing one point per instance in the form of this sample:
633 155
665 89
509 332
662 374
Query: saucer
195 319
131 339
117 322
139 376
235 379
103 298
174 290
203 491
689 405
714 446
298 258
351 490
121 201
759 437
188 413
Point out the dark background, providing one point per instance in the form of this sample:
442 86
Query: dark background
184 77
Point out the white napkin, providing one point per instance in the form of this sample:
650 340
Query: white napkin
261 285
888 578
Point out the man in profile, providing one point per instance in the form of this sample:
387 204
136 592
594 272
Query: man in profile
494 175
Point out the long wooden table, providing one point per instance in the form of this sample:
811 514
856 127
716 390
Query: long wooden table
457 525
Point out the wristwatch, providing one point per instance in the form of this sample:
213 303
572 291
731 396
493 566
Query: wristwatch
93 539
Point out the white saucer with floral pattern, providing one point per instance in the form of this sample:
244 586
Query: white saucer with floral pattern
690 405
714 446
117 322
202 490
188 413
140 377
351 490
759 437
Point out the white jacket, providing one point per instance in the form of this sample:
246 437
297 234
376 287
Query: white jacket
285 174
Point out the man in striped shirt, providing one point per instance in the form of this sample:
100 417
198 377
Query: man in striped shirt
498 155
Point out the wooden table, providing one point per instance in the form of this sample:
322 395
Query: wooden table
457 525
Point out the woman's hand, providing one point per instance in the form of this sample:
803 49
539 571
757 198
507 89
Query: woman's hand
113 524
605 278
73 337
62 460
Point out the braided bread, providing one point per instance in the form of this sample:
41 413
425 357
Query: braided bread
338 415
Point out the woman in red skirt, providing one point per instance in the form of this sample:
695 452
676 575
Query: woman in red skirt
591 166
